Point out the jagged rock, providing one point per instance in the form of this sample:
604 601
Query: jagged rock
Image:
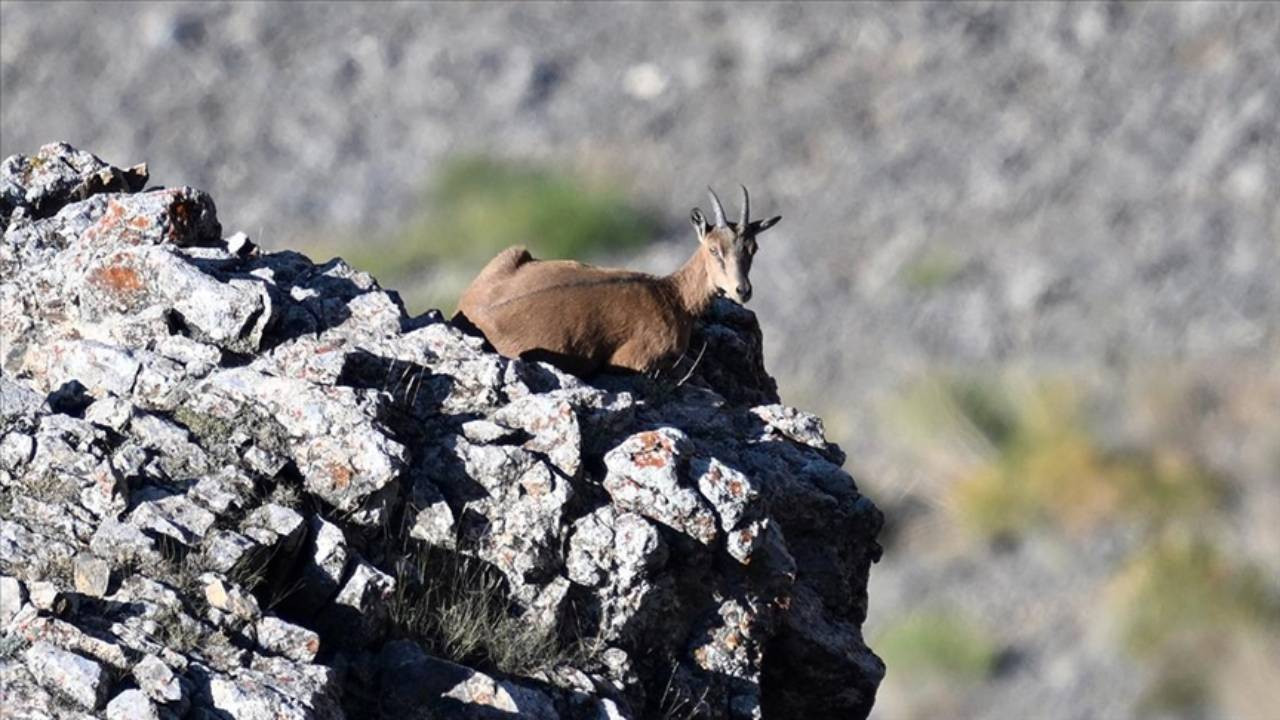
56 175
13 595
411 679
270 692
797 425
554 427
69 675
220 431
328 431
92 575
275 526
224 491
622 554
47 597
227 551
292 641
174 516
19 405
123 543
101 647
16 450
132 705
358 617
158 680
645 477
109 412
433 520
230 314
323 567
182 217
230 599
25 698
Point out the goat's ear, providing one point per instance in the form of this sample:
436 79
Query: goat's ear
759 226
699 222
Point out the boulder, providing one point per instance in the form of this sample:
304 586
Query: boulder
68 675
242 484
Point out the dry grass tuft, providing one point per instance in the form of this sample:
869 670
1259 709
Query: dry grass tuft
458 608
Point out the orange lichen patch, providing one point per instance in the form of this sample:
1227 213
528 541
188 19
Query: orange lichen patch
340 474
654 449
551 420
704 529
119 225
731 640
117 279
736 488
114 212
313 645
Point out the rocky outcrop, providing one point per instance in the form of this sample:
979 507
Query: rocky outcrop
240 484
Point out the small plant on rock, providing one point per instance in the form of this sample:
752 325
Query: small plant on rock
458 608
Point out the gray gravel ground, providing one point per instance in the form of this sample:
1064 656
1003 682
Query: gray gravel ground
1090 188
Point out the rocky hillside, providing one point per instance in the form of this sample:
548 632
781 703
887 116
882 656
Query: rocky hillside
241 484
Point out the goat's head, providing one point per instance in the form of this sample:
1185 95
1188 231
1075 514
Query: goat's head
730 248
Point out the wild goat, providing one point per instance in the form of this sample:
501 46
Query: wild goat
584 319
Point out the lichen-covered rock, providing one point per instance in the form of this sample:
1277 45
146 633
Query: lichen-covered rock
92 575
269 691
645 477
174 516
55 175
13 595
239 479
123 543
275 526
158 680
230 598
78 679
292 641
132 705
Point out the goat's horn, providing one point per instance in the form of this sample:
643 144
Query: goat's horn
716 207
746 209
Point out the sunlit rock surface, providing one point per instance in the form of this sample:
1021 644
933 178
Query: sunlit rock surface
214 460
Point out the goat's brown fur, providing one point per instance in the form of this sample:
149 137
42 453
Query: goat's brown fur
584 318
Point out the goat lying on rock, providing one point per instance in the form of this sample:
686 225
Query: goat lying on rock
584 319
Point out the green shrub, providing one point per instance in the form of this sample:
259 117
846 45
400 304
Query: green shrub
1180 601
1019 454
1180 590
935 645
479 206
933 268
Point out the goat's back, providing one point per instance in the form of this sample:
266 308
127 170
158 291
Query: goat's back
576 315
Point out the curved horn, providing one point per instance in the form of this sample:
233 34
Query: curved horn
746 210
716 207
